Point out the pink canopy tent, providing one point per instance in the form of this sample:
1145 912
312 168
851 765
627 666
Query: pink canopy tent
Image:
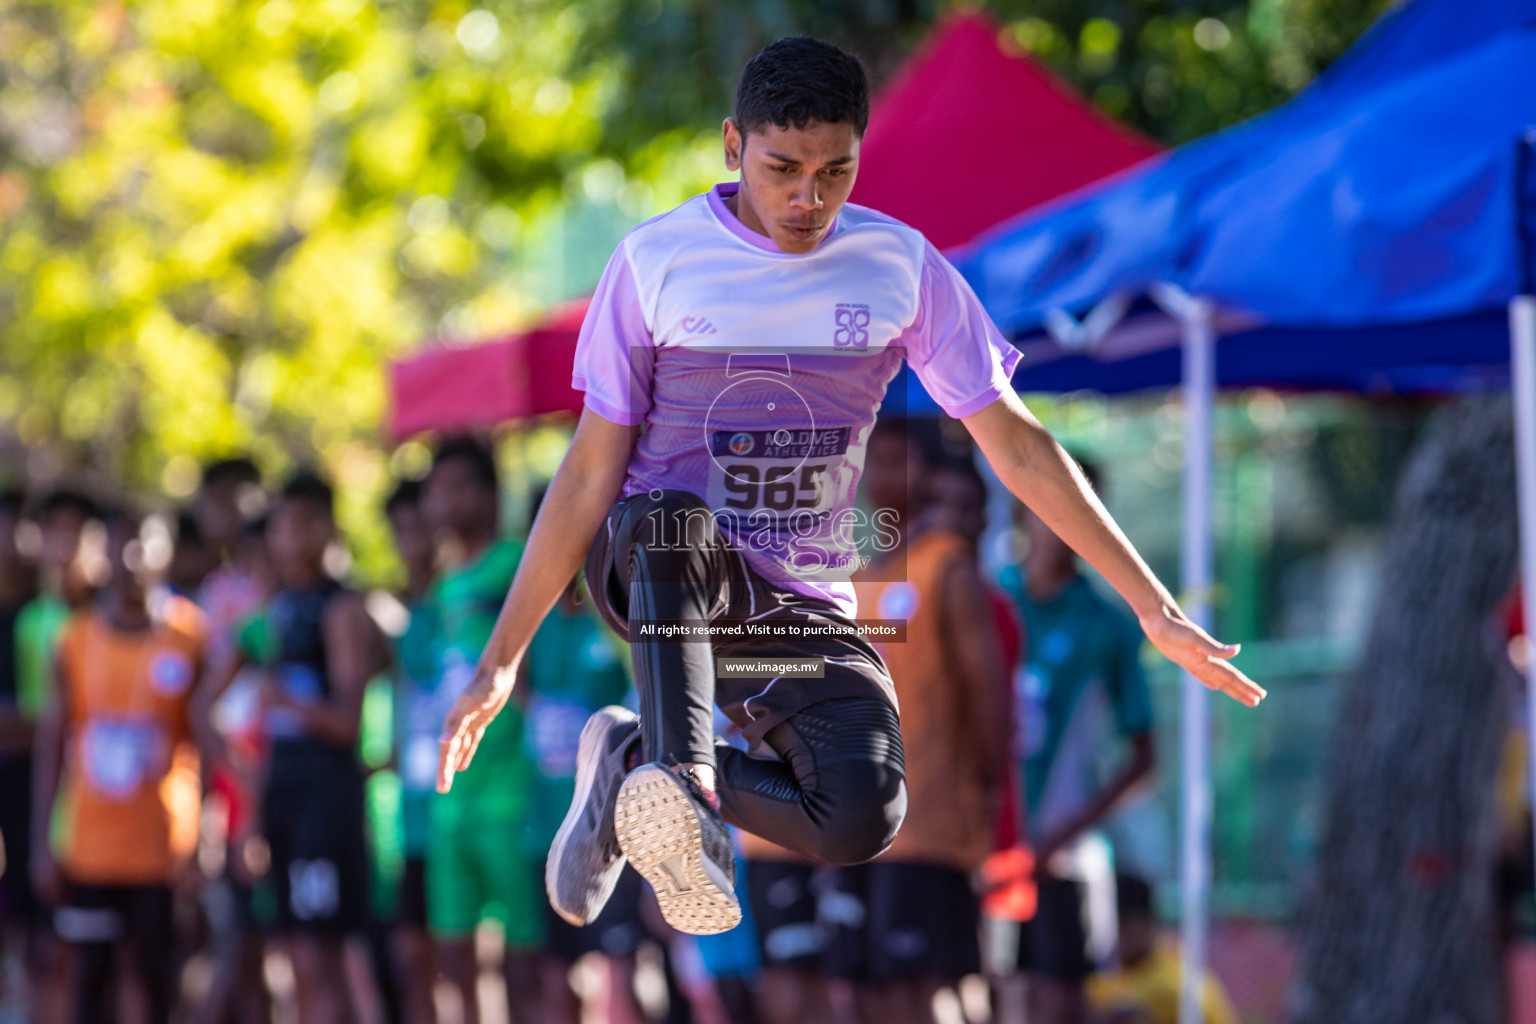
965 135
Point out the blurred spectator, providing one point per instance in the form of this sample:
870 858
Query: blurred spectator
1081 695
781 889
417 722
572 669
236 584
319 647
958 501
1144 988
920 916
229 497
116 739
18 585
730 964
191 558
63 518
477 859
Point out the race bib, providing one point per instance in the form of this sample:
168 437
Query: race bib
554 727
120 754
775 491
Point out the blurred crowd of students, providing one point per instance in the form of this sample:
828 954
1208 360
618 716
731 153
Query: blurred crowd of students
217 767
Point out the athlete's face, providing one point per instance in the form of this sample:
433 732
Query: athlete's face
297 536
218 514
63 531
413 540
125 555
457 501
793 180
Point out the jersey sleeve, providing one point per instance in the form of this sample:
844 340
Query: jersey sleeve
615 353
952 344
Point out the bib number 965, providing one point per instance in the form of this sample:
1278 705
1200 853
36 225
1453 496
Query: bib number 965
779 488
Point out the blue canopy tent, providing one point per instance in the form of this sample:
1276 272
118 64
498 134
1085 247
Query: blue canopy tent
1372 234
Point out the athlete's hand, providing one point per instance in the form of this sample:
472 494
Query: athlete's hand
1187 645
480 702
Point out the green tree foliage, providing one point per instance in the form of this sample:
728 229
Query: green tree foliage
1176 69
222 217
219 219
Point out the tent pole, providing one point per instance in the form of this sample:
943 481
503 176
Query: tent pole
1199 390
1522 358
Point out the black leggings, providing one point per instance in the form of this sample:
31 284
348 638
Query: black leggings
837 790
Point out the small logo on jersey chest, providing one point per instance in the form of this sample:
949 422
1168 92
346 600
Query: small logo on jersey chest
852 330
697 325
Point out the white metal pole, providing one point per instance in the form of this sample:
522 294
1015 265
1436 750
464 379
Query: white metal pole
1199 398
1522 358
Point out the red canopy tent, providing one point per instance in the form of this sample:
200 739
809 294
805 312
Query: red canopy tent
965 135
472 387
970 132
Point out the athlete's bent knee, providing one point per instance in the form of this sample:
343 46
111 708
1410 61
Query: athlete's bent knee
866 819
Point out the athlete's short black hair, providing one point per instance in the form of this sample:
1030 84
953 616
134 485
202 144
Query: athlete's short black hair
475 453
65 499
238 470
311 488
407 493
799 80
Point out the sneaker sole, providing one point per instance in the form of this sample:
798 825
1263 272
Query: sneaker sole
659 831
589 755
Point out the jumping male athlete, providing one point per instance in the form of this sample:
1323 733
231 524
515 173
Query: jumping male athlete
733 359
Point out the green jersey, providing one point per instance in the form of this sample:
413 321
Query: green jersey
39 625
418 722
573 668
1080 689
467 601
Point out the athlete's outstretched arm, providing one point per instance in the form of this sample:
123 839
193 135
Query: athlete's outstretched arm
585 486
1041 474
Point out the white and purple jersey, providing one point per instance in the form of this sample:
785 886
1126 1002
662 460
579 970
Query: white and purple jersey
757 373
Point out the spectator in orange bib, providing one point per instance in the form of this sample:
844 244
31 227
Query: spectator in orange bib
115 740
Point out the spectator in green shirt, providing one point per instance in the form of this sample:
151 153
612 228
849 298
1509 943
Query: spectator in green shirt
477 861
416 724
